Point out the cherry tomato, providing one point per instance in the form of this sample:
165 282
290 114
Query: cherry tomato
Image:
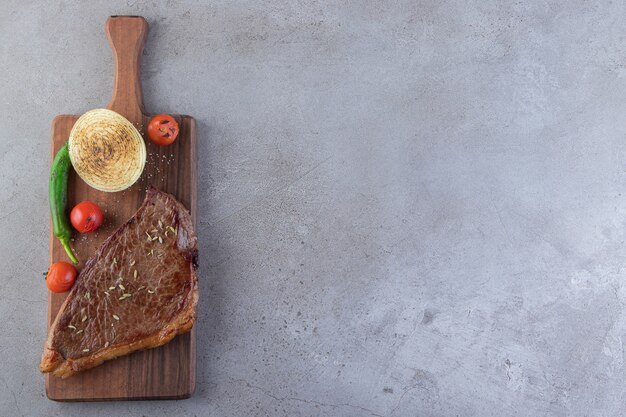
163 129
86 217
60 277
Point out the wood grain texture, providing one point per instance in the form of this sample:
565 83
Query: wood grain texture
168 372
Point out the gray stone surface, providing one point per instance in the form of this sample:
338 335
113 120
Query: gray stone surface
406 209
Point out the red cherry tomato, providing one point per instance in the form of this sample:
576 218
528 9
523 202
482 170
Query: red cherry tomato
60 277
163 129
86 217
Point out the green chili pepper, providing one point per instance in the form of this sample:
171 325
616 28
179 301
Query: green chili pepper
57 193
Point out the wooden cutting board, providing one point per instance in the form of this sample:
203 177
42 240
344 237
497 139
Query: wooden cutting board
168 372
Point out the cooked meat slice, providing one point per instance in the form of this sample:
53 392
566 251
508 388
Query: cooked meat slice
137 292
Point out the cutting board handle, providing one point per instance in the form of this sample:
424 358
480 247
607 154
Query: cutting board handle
127 35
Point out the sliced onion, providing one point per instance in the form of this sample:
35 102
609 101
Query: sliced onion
106 150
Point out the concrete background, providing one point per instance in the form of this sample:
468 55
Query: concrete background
406 209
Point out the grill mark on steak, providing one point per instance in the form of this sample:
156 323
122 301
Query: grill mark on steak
110 310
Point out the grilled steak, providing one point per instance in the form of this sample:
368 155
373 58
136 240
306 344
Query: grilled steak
137 292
